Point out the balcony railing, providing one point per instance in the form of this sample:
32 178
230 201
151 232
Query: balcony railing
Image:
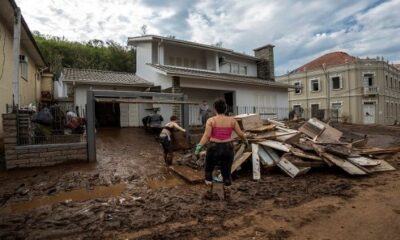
371 91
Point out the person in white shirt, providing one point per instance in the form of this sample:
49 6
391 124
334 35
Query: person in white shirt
165 138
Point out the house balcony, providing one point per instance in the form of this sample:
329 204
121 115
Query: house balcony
370 91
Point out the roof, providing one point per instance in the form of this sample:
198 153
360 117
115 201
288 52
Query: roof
134 40
224 77
329 59
26 34
91 76
397 65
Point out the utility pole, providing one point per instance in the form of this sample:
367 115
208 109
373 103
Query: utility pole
16 50
328 89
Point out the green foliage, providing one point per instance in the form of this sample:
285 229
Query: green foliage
95 54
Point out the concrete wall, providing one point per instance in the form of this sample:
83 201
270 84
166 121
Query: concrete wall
351 95
29 88
251 65
37 155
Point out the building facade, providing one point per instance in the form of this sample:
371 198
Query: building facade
30 60
205 72
363 91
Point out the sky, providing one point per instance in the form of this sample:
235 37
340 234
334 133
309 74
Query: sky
301 30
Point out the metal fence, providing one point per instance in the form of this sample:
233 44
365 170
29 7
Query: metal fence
269 112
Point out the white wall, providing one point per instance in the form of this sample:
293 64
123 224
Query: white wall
183 53
144 56
251 65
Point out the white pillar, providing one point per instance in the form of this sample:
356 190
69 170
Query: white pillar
16 51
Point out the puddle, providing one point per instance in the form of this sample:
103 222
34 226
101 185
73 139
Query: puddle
167 181
75 195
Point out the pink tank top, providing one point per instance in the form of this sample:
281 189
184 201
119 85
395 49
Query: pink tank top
221 133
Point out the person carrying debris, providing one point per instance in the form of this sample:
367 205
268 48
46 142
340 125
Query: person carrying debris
165 138
204 112
220 151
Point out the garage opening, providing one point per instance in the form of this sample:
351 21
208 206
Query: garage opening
107 114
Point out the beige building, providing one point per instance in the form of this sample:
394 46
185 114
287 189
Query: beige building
31 62
364 91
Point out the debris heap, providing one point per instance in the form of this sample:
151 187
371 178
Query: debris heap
314 144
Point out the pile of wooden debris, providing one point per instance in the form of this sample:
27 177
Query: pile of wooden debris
314 144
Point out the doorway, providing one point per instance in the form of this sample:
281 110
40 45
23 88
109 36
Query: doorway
107 114
369 112
229 102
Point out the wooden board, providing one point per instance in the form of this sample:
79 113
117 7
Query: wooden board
265 158
189 174
290 169
263 128
383 167
250 121
276 145
374 151
343 164
320 131
364 161
240 161
300 153
239 152
179 141
300 163
255 162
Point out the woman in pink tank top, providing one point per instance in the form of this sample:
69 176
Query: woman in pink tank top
218 135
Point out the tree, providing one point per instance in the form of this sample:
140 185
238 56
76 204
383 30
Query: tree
94 54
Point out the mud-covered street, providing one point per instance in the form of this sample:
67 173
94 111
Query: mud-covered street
130 194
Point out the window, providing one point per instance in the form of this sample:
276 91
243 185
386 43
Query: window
314 110
23 65
314 85
243 70
336 82
235 68
368 79
387 81
391 82
193 63
297 86
387 110
171 61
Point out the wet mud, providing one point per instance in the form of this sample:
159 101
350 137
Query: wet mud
130 194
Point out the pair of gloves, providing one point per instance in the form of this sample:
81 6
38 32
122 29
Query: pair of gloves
200 146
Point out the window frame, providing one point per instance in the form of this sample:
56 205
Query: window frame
300 88
340 82
311 84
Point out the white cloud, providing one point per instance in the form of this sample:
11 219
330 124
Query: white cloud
300 30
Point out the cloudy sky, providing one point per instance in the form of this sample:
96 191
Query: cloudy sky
300 29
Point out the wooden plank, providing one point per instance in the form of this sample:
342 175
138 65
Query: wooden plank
263 128
189 174
338 150
300 163
271 152
277 123
240 161
343 164
290 169
265 158
374 151
299 153
255 162
383 167
276 145
364 161
320 131
239 152
250 121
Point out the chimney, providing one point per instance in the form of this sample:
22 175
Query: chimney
265 66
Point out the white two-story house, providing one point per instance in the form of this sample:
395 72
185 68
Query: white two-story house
205 72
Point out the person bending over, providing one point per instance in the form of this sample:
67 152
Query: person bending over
165 138
220 150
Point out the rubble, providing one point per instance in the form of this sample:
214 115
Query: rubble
314 145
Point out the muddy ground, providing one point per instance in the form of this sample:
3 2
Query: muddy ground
129 194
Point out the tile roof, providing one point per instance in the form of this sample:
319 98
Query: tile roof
329 59
199 73
91 76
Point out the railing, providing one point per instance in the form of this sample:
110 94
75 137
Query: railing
371 90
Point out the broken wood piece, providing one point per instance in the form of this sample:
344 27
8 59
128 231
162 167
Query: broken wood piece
383 167
249 121
277 123
236 164
268 156
320 131
276 145
375 151
239 152
263 128
360 143
298 162
343 164
300 153
255 162
364 161
290 169
339 150
189 174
